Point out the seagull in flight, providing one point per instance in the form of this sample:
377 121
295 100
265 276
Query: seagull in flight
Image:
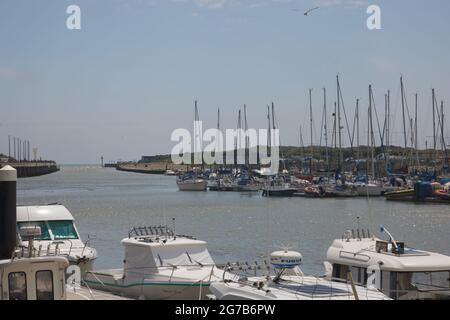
309 10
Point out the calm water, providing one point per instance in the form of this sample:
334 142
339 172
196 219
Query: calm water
238 227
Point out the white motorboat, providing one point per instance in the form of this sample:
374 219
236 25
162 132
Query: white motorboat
27 276
192 184
159 265
368 189
344 191
170 173
400 272
59 235
289 283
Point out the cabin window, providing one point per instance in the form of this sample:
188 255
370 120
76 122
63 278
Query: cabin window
44 285
340 272
17 282
45 234
63 230
359 275
422 284
389 283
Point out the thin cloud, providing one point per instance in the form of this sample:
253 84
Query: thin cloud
344 3
213 4
9 73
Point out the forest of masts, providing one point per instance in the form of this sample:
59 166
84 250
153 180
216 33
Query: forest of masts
330 154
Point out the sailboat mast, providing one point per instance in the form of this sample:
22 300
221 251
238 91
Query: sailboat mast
273 116
238 138
434 119
444 148
357 128
372 142
218 118
269 132
442 127
341 156
388 126
334 127
311 124
403 111
325 127
198 142
246 137
416 134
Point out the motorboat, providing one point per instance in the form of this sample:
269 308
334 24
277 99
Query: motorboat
27 273
58 234
370 189
170 173
278 187
442 194
398 271
318 192
289 283
278 191
400 194
159 265
191 183
345 191
33 275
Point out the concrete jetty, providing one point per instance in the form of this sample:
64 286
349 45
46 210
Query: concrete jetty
26 169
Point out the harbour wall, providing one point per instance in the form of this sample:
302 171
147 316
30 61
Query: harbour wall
27 169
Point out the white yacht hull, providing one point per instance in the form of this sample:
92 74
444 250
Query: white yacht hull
195 185
293 288
155 287
370 190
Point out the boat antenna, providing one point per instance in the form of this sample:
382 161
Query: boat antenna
357 223
391 238
164 216
174 233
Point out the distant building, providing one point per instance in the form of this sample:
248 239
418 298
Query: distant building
146 159
157 158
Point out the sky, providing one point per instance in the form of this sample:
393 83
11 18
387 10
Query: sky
121 84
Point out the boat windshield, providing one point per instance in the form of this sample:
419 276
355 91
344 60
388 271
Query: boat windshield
45 235
63 229
420 285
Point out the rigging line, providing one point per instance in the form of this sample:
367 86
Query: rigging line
438 112
394 106
376 116
275 120
322 128
345 116
385 120
354 125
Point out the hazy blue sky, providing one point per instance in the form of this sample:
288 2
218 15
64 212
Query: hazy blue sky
121 84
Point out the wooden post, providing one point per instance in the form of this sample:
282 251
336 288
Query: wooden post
8 215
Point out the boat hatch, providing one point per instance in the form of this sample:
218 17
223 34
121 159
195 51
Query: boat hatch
354 256
389 247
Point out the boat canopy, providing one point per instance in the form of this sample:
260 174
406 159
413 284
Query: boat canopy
43 213
366 252
153 253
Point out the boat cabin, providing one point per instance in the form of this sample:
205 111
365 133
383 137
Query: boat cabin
59 235
156 249
400 272
36 278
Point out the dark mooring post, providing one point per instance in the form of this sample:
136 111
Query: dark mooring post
8 181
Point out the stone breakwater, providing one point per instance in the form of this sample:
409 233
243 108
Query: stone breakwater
28 169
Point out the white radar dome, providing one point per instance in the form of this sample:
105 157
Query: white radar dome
286 259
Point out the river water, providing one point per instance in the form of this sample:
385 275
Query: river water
237 226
